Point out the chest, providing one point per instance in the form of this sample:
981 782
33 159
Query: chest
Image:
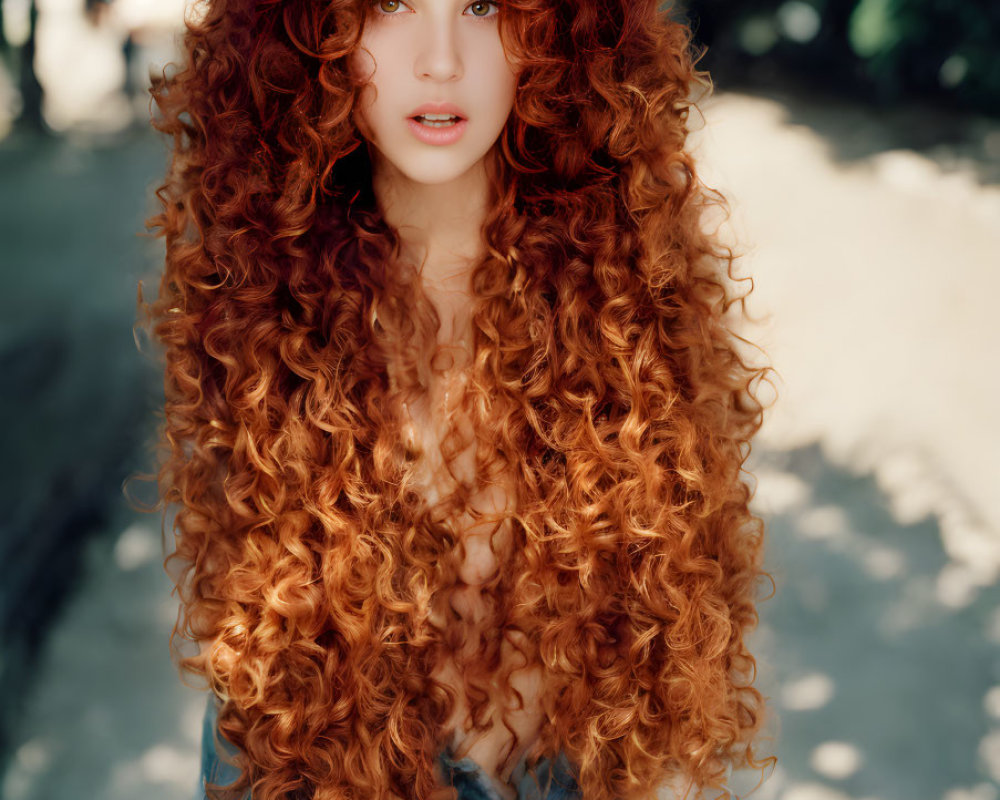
438 428
439 424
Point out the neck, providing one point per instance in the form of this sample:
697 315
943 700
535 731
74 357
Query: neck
439 225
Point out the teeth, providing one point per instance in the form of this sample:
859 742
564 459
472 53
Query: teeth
437 120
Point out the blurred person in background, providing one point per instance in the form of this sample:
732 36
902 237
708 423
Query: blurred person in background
99 13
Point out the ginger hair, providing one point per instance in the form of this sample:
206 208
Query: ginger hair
605 379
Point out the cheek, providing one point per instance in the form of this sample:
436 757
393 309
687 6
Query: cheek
504 87
504 81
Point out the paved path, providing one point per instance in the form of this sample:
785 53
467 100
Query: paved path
881 650
876 276
106 717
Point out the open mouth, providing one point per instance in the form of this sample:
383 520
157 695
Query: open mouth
437 120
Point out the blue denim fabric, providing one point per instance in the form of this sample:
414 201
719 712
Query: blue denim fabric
555 780
555 777
213 768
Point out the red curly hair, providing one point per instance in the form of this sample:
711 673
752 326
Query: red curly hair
605 383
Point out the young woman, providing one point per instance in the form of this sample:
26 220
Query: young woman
454 422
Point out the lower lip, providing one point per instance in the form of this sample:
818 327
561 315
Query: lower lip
448 134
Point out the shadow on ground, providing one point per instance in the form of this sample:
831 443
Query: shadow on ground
76 397
854 131
879 689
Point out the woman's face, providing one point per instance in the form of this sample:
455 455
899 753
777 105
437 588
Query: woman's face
437 53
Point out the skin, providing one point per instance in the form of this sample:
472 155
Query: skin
436 197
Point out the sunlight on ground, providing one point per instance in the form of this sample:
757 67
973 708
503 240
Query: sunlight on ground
110 716
884 563
981 791
836 760
808 692
989 752
138 545
991 702
824 522
779 492
878 316
162 763
867 660
814 791
30 760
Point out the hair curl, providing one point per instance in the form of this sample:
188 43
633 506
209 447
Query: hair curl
605 381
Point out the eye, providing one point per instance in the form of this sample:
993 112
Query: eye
484 7
388 7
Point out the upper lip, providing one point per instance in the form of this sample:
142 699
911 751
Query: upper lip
438 108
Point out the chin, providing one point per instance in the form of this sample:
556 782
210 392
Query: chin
431 173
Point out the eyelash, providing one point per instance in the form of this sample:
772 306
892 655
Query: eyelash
379 12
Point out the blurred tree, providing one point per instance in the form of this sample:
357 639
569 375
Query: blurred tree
31 118
886 49
945 47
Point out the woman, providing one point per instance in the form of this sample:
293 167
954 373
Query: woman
454 424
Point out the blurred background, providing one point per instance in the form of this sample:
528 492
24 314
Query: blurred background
858 142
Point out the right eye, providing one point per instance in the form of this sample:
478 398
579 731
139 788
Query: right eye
388 8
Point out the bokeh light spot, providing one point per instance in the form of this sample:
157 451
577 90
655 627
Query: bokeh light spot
991 702
29 762
136 546
884 563
808 693
873 27
799 21
989 753
823 522
837 760
758 35
779 492
953 71
812 791
981 791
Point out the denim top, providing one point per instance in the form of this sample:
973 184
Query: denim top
465 775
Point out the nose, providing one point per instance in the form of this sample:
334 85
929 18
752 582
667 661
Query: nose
439 59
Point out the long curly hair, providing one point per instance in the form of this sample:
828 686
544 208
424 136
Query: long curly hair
605 388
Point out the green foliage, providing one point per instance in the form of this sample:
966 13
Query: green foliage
892 48
873 28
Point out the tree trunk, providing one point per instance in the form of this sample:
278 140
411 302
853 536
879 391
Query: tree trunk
31 90
4 46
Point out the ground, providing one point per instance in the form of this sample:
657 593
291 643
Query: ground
875 267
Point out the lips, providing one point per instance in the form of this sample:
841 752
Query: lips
438 108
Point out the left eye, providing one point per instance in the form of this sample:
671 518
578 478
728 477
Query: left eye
484 7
